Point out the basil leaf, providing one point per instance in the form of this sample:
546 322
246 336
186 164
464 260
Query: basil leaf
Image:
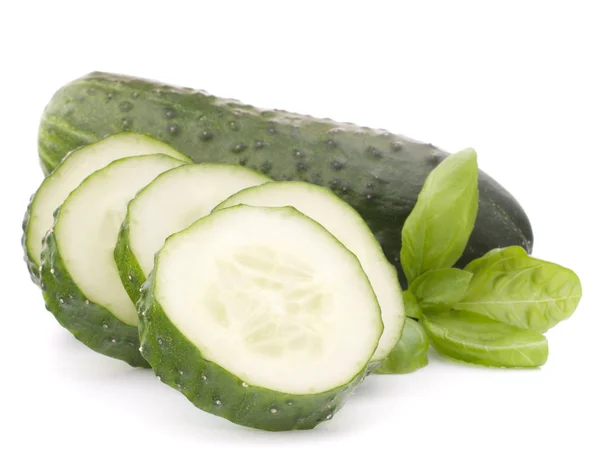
410 353
440 290
436 232
495 255
522 291
411 307
476 339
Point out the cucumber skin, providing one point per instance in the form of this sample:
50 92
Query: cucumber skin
130 271
179 364
82 319
32 267
378 173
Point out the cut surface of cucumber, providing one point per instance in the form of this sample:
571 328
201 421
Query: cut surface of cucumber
170 203
75 167
341 220
259 315
78 268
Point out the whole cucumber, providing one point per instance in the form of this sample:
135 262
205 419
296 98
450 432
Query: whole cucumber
380 174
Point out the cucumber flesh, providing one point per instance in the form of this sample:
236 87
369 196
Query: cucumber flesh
78 269
170 203
341 220
78 165
248 311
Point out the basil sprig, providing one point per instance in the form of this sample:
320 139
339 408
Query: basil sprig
495 310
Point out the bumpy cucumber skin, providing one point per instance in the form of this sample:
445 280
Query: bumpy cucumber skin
90 323
130 271
378 173
179 364
32 267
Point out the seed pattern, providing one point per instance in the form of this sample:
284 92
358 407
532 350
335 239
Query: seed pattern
273 299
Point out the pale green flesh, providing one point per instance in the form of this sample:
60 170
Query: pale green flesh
348 227
270 296
177 198
87 227
77 166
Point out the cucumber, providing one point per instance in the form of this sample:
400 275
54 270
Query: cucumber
170 203
74 169
341 220
79 277
378 173
248 313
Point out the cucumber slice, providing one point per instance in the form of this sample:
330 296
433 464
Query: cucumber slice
79 277
341 220
170 203
261 316
74 168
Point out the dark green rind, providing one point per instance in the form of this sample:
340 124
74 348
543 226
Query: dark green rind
378 173
178 363
90 323
32 267
130 271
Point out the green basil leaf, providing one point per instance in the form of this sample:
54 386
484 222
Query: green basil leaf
522 291
477 339
495 255
410 353
436 232
440 290
411 307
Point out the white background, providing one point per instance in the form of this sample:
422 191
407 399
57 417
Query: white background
518 81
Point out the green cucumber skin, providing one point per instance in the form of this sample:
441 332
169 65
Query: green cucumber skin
130 271
378 173
32 267
179 364
90 323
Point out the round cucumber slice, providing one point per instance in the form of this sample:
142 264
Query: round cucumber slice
261 316
79 277
341 220
73 169
170 203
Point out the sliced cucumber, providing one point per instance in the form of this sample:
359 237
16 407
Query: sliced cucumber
170 203
79 277
341 220
261 316
77 166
